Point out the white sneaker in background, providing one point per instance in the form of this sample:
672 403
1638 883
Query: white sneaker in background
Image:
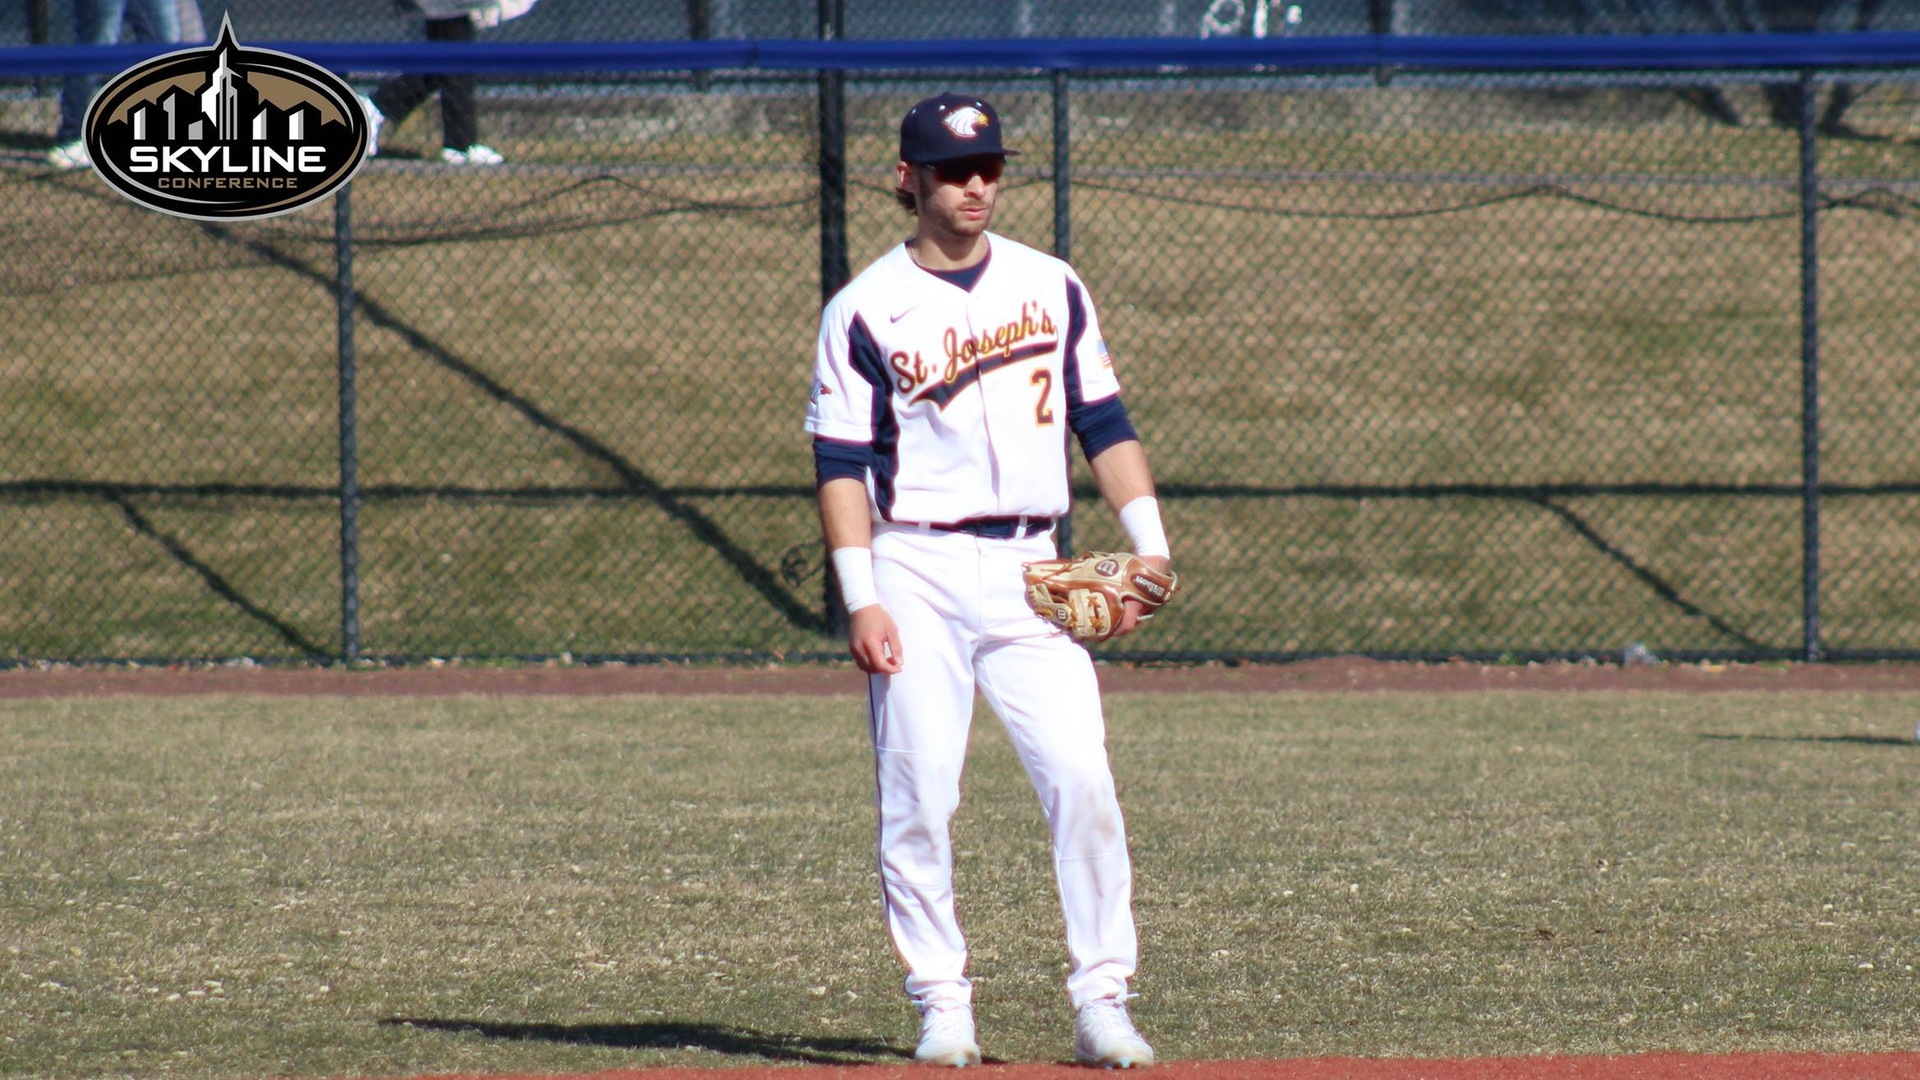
71 155
1104 1036
375 118
946 1037
477 154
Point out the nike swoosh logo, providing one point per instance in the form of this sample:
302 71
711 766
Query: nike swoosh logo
897 316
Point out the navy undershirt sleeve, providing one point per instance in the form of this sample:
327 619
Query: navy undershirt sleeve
836 458
1101 425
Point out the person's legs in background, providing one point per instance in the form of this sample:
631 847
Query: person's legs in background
98 22
458 125
95 22
193 25
153 20
459 117
396 99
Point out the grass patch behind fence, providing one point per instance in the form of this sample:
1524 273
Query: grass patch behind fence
233 887
581 385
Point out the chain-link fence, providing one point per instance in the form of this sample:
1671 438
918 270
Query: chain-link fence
51 21
1426 364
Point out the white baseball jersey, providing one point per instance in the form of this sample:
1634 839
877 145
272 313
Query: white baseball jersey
966 396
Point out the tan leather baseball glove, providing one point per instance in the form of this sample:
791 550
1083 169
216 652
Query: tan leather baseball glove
1083 596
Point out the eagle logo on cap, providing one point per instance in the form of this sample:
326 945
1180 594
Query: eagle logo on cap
965 122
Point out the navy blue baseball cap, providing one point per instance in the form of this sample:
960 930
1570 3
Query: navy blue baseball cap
948 127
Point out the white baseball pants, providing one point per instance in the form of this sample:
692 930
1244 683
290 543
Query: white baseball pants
959 603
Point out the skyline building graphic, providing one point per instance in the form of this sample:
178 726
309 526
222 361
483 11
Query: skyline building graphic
221 102
225 108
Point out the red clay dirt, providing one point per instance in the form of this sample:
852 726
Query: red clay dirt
1324 675
1629 1067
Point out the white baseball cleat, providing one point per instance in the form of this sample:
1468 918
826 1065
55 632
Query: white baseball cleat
946 1037
1104 1036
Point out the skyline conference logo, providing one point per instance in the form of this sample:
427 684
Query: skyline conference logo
224 133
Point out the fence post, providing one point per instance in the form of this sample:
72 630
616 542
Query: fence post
349 431
1063 239
834 270
39 32
1809 372
1062 171
700 28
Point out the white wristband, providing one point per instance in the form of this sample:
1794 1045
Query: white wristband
854 567
1141 519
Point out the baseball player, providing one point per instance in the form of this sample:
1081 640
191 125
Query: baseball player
949 376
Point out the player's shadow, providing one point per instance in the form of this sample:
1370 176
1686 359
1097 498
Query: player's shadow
670 1034
1851 740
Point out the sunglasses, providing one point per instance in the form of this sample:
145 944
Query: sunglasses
965 169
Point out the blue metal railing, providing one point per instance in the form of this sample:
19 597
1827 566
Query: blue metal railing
1661 52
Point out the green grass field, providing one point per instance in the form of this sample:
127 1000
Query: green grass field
239 887
582 380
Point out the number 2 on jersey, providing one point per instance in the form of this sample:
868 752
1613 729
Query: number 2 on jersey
1042 411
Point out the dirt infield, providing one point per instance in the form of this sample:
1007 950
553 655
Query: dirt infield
1324 675
1630 1067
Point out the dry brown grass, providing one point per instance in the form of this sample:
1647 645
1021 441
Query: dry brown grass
231 887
